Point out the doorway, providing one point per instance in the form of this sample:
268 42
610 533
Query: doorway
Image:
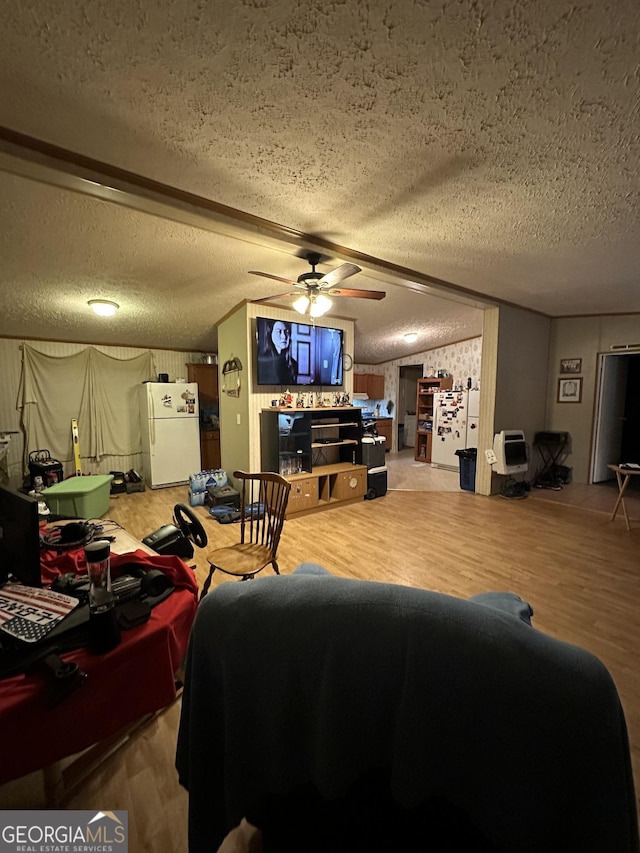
617 415
408 375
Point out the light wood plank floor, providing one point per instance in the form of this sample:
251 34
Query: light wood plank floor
580 572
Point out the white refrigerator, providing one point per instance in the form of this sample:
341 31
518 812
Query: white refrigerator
170 432
455 426
473 417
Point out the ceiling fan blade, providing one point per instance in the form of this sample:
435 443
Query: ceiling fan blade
339 274
360 294
275 296
274 277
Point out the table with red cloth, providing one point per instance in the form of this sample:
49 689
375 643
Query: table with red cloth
122 686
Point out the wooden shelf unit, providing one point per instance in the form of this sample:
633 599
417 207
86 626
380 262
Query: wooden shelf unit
206 375
424 414
322 473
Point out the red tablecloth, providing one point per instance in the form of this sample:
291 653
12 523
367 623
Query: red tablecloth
134 679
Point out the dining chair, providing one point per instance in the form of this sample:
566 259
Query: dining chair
263 502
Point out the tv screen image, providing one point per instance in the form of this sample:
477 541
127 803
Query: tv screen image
290 354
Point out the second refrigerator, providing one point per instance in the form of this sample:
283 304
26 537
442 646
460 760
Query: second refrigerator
455 426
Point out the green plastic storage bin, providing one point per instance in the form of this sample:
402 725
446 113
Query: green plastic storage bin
80 497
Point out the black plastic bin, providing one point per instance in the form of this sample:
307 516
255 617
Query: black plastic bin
468 458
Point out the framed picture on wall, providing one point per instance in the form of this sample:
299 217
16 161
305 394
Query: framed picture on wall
570 390
570 365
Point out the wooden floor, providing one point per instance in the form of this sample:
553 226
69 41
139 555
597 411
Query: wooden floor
579 570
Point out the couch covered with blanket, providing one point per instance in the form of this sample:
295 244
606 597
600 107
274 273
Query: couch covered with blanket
339 714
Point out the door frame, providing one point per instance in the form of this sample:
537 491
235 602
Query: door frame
609 405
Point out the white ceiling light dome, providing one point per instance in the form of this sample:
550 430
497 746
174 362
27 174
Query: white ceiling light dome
104 307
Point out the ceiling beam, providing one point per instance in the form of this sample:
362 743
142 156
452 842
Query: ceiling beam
44 162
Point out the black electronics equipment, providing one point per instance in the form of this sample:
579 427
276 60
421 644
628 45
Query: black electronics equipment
137 591
551 438
316 351
19 537
73 534
223 496
118 484
42 465
176 538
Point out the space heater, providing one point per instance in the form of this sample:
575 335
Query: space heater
511 451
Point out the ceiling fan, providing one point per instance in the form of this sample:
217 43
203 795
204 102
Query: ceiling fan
316 287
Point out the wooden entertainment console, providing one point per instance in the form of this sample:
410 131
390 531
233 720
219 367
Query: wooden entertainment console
319 451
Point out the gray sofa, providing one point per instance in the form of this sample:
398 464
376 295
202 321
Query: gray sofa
350 715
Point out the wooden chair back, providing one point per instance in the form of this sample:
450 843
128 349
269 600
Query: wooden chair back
265 495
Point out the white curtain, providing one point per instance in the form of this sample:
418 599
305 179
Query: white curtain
100 391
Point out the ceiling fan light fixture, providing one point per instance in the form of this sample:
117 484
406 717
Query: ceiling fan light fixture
104 307
320 305
301 304
411 337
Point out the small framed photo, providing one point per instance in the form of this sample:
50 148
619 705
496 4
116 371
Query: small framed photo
570 390
570 365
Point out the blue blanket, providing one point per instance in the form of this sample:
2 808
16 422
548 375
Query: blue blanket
299 680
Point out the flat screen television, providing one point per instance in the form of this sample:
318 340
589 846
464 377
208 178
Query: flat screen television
19 538
290 354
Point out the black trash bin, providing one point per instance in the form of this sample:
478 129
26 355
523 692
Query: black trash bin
400 436
468 458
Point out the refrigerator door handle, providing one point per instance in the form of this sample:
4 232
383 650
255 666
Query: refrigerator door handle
152 421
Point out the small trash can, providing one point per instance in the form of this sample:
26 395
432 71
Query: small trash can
468 458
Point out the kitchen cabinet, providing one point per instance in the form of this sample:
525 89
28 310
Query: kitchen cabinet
385 428
210 449
371 384
424 414
206 375
319 451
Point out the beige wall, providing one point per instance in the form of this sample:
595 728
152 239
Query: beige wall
234 410
521 377
240 443
166 361
585 338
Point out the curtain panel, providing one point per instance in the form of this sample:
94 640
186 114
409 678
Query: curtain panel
100 391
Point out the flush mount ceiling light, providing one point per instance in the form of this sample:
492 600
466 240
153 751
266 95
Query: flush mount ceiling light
104 307
411 337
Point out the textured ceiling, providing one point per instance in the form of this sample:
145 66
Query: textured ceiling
493 145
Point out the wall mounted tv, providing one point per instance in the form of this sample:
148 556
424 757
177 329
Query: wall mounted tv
291 354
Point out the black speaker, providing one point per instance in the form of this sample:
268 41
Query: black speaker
551 438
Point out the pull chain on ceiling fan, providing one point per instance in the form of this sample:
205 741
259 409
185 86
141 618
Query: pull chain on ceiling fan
316 287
